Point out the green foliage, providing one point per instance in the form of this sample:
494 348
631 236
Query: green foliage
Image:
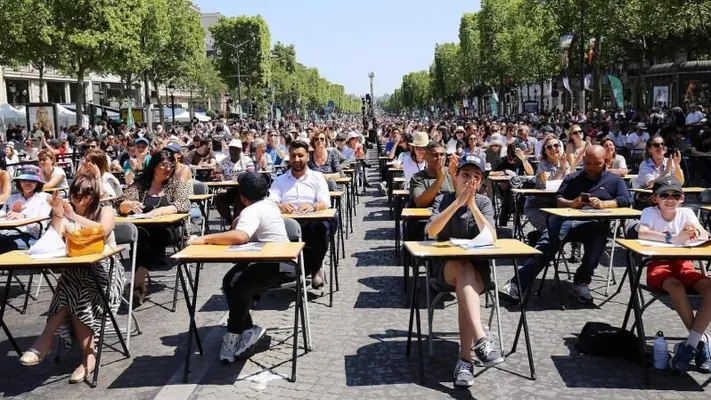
446 71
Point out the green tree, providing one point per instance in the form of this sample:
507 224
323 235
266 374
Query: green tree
470 50
416 90
447 72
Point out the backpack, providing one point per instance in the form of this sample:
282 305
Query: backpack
605 340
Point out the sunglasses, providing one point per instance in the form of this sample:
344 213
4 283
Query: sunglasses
320 139
674 195
552 146
166 165
658 145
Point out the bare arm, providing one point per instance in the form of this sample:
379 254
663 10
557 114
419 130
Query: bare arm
5 188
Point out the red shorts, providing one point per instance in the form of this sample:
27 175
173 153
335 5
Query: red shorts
683 270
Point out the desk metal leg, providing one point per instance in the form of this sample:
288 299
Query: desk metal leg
415 313
2 314
397 228
634 304
191 310
297 306
523 323
341 228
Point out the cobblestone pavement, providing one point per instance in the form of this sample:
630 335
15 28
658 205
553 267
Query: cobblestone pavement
359 343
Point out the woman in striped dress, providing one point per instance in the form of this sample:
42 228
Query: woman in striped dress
76 308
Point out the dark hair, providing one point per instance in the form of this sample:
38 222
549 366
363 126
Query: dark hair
98 158
432 145
298 144
87 185
38 187
159 157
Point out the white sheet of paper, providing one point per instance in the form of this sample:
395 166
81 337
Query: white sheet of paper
484 238
139 216
49 244
553 185
253 246
651 243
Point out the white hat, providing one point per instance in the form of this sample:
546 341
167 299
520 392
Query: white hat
420 139
235 143
642 126
495 139
460 128
353 135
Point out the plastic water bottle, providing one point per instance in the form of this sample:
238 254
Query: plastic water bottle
661 352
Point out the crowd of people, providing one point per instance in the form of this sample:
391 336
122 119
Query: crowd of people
289 167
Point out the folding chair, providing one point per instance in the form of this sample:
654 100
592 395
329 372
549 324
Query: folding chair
126 233
195 214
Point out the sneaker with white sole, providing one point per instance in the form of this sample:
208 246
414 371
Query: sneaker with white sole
582 293
249 338
463 374
511 290
703 355
487 352
229 346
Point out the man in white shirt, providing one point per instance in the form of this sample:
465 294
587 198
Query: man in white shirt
638 139
301 190
696 116
260 221
229 169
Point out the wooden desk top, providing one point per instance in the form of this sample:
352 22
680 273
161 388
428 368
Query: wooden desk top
52 190
335 195
684 253
401 193
398 179
162 220
500 178
16 223
200 197
534 192
271 251
629 177
342 180
328 213
222 184
503 248
17 259
348 170
706 208
416 213
383 158
687 190
608 213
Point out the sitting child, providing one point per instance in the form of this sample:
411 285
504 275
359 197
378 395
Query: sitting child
670 223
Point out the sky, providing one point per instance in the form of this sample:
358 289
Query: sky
346 40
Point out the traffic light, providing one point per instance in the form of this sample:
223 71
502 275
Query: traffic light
369 100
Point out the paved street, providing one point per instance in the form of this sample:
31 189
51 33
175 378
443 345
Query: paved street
359 343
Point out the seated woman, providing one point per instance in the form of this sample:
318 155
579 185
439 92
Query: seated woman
465 214
29 202
96 166
76 309
323 159
614 162
53 176
158 192
262 160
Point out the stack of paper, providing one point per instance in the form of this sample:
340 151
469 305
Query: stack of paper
483 239
252 246
651 243
50 245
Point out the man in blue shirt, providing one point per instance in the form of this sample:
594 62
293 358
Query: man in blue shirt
275 149
592 187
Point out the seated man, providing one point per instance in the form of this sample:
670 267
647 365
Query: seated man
592 187
301 190
228 169
464 214
434 179
260 221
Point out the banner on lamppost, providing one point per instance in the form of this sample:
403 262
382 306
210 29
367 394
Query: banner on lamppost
566 84
129 116
617 91
494 105
494 95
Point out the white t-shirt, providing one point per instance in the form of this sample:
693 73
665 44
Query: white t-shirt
111 184
410 167
59 171
639 142
652 219
262 222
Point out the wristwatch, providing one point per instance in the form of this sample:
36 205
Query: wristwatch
668 236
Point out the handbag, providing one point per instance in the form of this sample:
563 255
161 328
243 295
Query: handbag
84 241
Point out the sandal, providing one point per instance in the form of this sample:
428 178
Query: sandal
79 375
32 357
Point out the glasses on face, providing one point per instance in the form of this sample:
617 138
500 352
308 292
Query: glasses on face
472 139
674 195
553 146
659 145
320 139
166 165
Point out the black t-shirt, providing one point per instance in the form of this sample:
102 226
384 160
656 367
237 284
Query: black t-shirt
504 164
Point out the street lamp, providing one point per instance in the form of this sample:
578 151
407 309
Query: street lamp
239 91
171 88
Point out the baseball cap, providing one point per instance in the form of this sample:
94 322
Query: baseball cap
235 143
353 135
666 184
471 159
253 185
142 140
341 136
174 147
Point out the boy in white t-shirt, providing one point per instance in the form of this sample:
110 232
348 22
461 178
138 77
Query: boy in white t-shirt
260 221
670 223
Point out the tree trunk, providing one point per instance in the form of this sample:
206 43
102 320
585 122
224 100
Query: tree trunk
161 111
80 96
596 81
41 82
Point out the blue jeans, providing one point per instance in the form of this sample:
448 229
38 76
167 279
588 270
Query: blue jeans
593 236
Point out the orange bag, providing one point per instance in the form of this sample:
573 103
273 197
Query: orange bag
84 241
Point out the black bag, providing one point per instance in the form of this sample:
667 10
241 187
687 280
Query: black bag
605 340
523 182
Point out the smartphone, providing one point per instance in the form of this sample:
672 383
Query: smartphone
585 197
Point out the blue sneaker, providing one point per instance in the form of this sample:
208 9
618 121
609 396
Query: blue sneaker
703 355
683 354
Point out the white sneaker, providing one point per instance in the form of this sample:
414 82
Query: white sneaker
249 338
582 293
510 289
229 346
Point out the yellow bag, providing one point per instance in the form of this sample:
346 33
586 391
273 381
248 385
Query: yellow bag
84 241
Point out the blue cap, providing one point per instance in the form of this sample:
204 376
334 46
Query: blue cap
174 147
142 140
29 173
471 159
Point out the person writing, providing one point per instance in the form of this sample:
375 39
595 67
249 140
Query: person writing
465 214
667 222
